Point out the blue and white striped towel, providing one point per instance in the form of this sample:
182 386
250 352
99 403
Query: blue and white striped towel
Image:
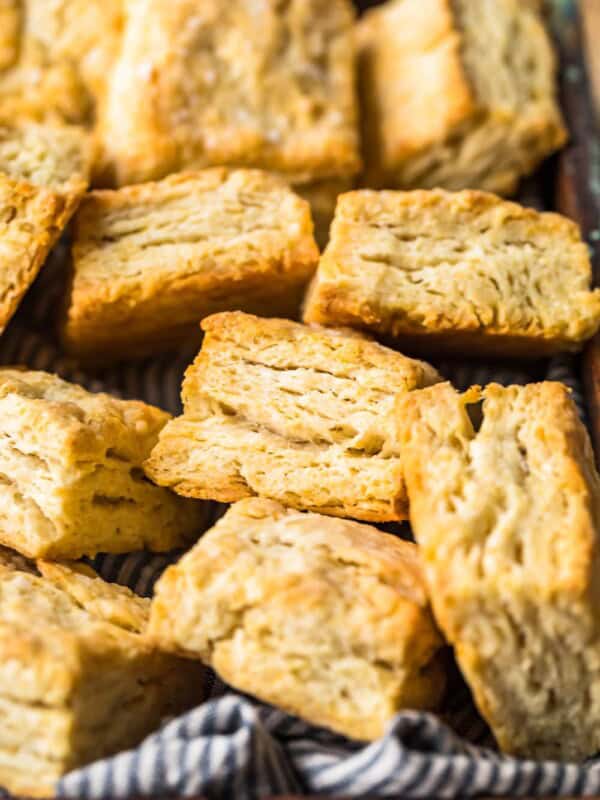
234 748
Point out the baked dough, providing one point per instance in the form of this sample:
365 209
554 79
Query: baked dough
267 85
80 680
456 94
71 482
55 56
59 157
298 414
505 509
324 617
44 172
461 272
150 261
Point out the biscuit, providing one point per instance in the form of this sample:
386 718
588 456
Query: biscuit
324 617
59 157
44 172
460 272
199 85
504 504
297 414
55 55
150 261
80 680
71 482
456 94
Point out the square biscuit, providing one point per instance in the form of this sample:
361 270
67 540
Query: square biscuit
298 414
204 84
80 679
55 55
456 94
44 172
504 504
462 272
150 261
71 482
326 618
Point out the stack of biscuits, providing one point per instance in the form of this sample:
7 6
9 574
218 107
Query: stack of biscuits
221 140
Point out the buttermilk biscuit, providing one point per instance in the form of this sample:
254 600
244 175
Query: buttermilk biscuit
70 476
505 509
324 617
44 172
58 157
302 415
267 85
464 272
150 261
55 55
456 93
80 680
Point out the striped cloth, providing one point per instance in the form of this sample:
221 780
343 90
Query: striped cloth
234 747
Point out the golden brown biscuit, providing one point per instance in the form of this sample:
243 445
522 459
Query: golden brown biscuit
79 680
268 85
505 509
31 221
59 157
70 476
298 414
456 93
150 261
44 171
461 272
324 617
55 56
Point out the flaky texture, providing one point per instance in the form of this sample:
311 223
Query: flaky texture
326 618
461 272
322 198
150 261
44 171
505 509
79 680
297 414
71 482
58 157
55 56
266 85
31 220
456 94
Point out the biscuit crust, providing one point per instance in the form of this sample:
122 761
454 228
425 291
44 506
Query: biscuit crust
456 272
54 57
456 94
71 482
80 680
269 86
324 617
505 510
59 157
31 221
150 261
44 171
297 414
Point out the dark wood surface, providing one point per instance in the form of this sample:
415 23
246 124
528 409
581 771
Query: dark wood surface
578 178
